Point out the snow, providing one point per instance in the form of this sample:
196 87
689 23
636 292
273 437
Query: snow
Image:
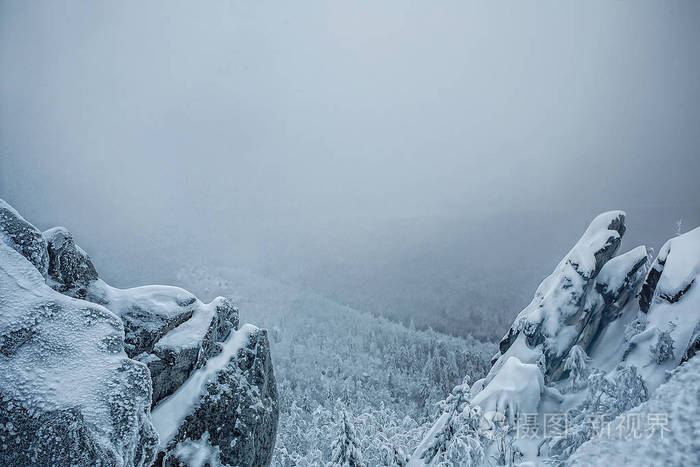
682 262
609 348
169 413
614 272
162 300
518 349
516 388
198 453
678 402
437 427
190 334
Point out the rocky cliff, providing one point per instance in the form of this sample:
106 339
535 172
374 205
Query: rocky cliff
95 375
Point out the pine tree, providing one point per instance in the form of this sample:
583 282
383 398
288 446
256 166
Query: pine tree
664 347
346 450
458 442
577 366
393 455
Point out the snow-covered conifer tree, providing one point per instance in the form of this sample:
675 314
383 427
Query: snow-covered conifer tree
458 441
577 366
663 349
393 455
346 450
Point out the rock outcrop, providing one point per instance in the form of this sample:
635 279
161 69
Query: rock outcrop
570 303
242 368
105 358
585 325
69 394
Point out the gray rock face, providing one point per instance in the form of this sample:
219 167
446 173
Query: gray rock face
144 328
225 320
247 424
170 366
70 268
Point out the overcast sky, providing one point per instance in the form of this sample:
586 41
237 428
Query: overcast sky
225 129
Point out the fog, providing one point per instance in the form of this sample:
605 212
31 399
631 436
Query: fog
407 158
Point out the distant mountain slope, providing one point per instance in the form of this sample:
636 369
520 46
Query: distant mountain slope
328 356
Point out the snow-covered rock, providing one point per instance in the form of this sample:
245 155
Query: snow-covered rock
231 402
69 393
189 345
24 237
84 366
669 310
552 323
70 268
618 349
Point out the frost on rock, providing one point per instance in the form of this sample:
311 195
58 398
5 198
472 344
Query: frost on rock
166 328
69 394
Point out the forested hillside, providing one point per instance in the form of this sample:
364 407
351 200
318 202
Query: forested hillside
329 358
